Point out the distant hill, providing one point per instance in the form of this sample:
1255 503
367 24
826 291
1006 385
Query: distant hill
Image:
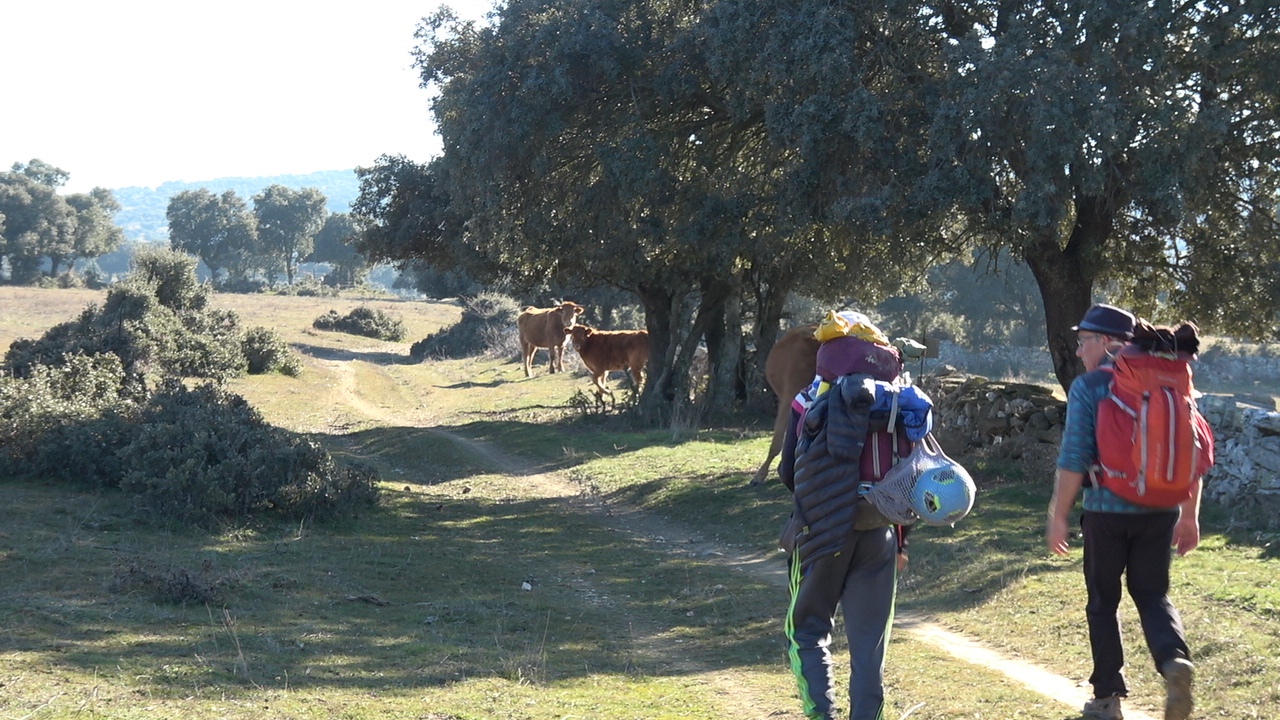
142 208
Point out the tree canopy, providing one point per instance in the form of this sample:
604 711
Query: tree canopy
218 229
712 158
38 225
288 221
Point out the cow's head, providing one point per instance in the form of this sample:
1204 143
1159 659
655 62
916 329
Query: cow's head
568 313
579 334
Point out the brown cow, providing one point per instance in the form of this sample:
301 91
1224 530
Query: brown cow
790 367
545 328
605 350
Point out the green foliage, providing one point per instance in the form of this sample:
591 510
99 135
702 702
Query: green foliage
364 321
198 455
38 224
310 286
975 303
63 422
156 321
205 455
266 352
486 320
219 229
144 207
287 223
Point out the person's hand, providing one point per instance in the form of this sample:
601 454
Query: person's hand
1056 535
1186 534
902 561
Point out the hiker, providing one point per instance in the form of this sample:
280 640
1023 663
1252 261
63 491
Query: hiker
1121 536
843 551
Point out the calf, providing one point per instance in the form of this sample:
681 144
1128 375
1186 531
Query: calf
605 350
790 367
546 328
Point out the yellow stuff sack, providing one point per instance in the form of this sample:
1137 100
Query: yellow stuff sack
849 324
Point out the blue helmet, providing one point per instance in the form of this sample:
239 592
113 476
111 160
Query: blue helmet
943 494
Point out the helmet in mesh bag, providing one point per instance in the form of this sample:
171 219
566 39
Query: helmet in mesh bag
943 494
892 495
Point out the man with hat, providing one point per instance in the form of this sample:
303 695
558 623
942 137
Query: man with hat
1120 538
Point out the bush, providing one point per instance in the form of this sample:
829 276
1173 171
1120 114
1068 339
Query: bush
310 287
485 326
156 321
204 456
266 352
364 321
65 422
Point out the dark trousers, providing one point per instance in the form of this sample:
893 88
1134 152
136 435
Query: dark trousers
1137 546
861 579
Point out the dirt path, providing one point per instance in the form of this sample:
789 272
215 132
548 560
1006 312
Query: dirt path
645 528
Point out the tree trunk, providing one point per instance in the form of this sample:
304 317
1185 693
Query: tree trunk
659 309
771 299
1066 276
724 351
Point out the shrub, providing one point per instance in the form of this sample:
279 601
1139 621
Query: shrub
265 352
64 422
310 287
204 455
364 321
156 321
485 326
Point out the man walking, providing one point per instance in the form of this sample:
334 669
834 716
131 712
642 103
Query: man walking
1120 538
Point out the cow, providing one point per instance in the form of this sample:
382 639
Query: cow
605 350
790 367
546 328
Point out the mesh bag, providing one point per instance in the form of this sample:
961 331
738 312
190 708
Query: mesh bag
894 495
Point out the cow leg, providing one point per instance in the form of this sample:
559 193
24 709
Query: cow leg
526 353
557 358
775 444
601 388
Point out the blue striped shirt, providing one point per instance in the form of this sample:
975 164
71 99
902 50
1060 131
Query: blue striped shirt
1079 451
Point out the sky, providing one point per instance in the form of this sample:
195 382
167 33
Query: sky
124 93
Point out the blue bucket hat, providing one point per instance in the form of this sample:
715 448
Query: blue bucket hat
1107 320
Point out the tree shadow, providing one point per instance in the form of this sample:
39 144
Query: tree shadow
332 354
432 590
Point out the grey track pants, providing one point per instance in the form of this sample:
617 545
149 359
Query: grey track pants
862 580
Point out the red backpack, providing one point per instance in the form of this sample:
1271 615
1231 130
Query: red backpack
1153 443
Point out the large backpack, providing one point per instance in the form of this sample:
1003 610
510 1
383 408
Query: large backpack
1153 443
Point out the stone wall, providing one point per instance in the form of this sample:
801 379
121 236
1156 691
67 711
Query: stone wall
1246 451
971 411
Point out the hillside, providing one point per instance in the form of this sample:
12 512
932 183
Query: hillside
142 208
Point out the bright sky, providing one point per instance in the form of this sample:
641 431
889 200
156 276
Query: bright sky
137 92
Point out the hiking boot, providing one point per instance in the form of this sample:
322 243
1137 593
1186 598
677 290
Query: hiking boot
1177 680
1107 708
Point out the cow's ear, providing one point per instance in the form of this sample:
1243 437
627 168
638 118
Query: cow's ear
578 310
568 331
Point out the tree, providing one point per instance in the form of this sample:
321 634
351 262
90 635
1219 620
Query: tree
43 173
334 244
612 143
1131 144
96 233
218 229
288 221
38 223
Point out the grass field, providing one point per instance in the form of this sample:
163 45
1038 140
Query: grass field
533 561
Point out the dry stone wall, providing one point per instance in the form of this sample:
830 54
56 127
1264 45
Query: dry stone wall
971 411
1246 450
